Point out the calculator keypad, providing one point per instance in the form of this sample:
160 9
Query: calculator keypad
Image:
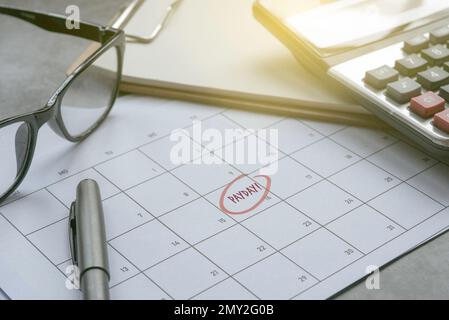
411 65
423 82
446 66
427 104
416 44
436 55
441 120
440 35
444 93
403 90
380 77
433 78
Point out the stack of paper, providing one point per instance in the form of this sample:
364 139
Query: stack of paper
214 51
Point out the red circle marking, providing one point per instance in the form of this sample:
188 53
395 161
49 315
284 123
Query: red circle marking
223 194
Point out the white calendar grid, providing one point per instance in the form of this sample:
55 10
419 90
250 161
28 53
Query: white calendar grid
355 192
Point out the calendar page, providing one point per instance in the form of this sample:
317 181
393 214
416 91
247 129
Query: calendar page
334 204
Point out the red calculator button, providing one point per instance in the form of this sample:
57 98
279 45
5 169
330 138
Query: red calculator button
441 120
427 105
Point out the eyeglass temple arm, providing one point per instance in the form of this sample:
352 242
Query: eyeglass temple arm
55 23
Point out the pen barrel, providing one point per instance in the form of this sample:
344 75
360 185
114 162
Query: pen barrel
91 241
95 285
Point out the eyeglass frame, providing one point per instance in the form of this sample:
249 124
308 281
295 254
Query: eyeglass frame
108 37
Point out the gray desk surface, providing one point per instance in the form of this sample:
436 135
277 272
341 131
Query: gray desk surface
33 64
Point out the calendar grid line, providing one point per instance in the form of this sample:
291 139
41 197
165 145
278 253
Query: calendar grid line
274 253
326 178
342 268
31 243
146 277
396 177
406 230
211 236
243 127
138 273
255 170
193 246
64 262
341 170
288 155
154 177
129 260
379 247
437 162
285 154
317 280
104 161
299 211
397 135
46 226
214 285
399 140
410 185
56 198
256 235
144 270
362 201
4 294
320 227
266 258
239 222
255 263
65 178
322 178
178 235
322 280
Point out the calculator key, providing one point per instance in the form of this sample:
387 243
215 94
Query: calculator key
416 44
427 105
411 65
433 78
403 90
444 93
436 55
441 120
380 77
440 35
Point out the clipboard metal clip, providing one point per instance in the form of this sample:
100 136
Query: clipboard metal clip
168 12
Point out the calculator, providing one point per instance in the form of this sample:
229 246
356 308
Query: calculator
391 56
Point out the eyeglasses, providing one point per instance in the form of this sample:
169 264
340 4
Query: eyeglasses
77 107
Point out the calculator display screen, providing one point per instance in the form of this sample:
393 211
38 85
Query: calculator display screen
346 24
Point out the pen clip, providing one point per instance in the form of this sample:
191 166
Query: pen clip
72 233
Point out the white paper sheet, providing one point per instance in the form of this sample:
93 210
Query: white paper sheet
206 60
343 199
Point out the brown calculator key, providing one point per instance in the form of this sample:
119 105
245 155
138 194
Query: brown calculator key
433 78
436 55
416 44
441 120
427 105
440 35
380 77
403 90
411 65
